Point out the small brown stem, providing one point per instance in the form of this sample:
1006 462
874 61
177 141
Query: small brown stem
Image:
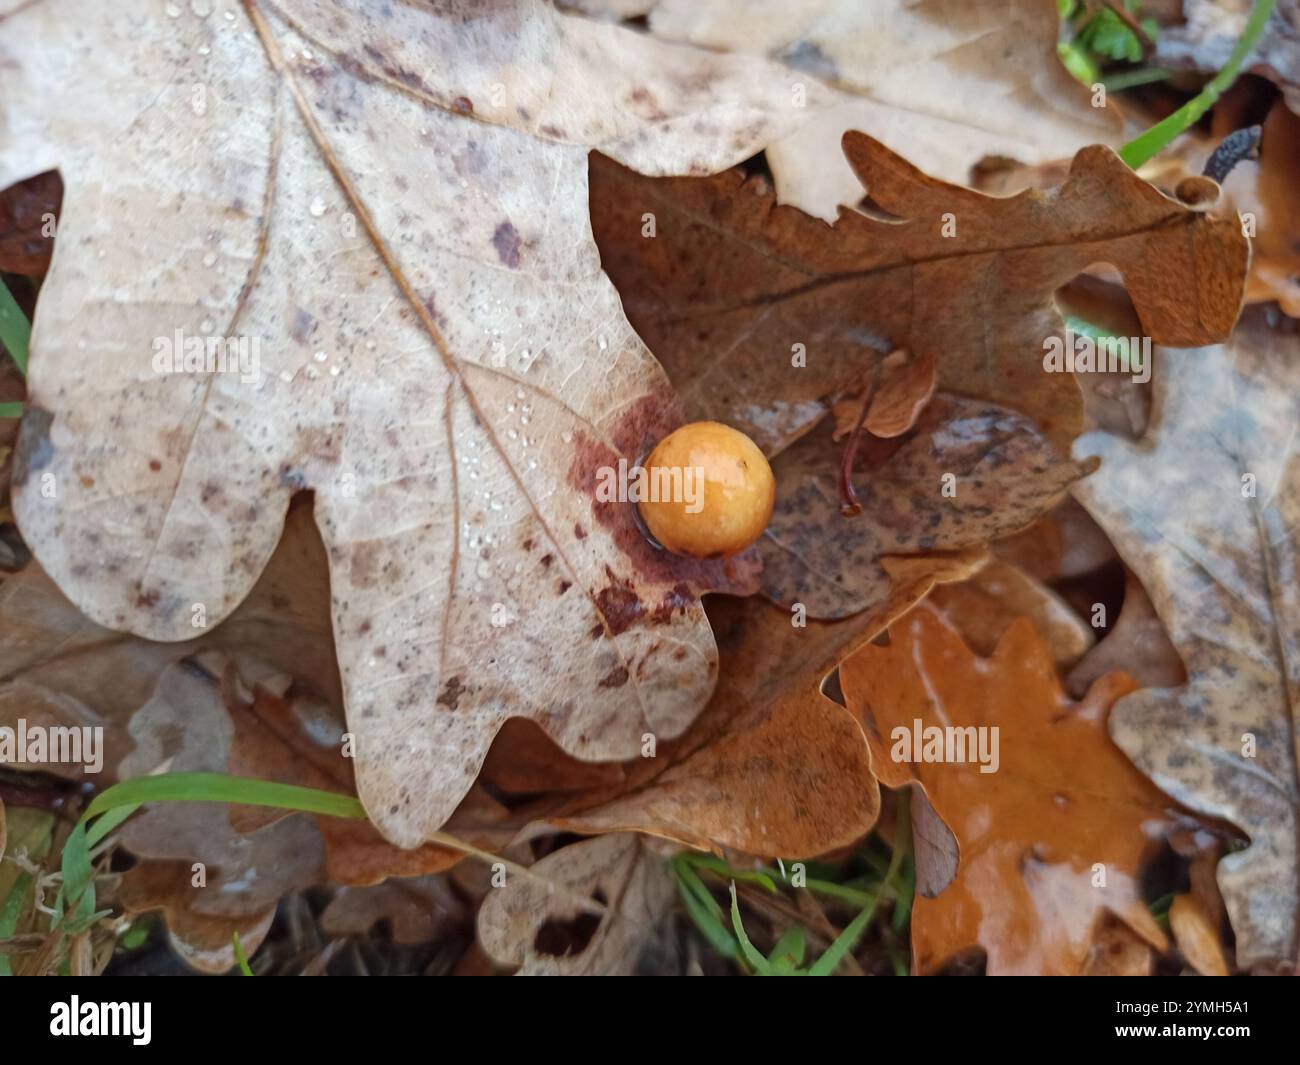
1130 20
850 505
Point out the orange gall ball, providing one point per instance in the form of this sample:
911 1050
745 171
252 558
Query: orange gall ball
711 491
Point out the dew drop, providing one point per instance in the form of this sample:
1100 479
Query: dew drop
317 207
320 356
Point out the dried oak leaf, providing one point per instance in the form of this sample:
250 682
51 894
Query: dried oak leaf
294 737
760 312
176 705
969 472
1261 189
894 402
773 767
185 728
203 941
1206 512
547 931
57 667
417 909
946 85
1062 800
1136 643
983 607
392 201
1197 934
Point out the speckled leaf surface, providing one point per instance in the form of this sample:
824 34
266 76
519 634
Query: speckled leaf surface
391 200
1001 473
1222 571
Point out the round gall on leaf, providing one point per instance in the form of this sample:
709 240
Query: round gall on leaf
711 491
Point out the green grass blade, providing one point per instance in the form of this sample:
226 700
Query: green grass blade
240 957
761 965
217 787
108 822
715 864
710 926
1147 145
789 949
1131 79
691 879
844 942
11 410
9 914
15 332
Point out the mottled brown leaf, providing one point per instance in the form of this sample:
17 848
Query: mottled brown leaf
732 283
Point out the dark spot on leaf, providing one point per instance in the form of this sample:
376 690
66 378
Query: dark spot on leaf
564 938
619 604
615 678
505 238
34 450
451 693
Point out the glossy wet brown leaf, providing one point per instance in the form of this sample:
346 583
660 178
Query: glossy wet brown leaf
1063 800
442 361
760 312
1206 510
